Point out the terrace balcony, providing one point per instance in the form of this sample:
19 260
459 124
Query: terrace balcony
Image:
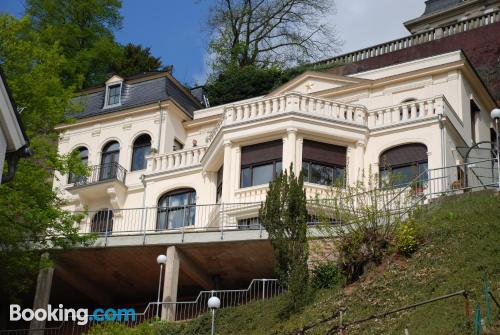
176 161
104 180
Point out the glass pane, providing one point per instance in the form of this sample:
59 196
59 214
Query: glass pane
305 170
176 218
139 161
246 176
339 177
279 167
404 174
262 174
321 174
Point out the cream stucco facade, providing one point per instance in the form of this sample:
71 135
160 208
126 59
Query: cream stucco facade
425 101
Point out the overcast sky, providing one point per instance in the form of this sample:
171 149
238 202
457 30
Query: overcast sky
174 28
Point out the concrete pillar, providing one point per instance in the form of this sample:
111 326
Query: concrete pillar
170 284
42 294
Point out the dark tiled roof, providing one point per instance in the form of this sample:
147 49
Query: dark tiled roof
136 94
432 6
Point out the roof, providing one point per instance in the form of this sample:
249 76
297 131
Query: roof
432 6
14 107
138 90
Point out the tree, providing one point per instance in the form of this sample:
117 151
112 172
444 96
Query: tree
136 59
284 216
270 32
84 30
31 218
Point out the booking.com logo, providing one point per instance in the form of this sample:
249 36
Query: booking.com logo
81 315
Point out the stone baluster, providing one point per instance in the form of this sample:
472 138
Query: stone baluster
246 112
413 111
405 113
239 113
421 109
342 112
275 106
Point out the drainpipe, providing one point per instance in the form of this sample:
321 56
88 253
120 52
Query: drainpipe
443 150
12 158
144 209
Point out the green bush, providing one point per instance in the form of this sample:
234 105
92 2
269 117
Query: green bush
406 238
327 275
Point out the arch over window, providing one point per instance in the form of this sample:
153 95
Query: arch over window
102 222
176 209
83 152
141 149
402 164
109 160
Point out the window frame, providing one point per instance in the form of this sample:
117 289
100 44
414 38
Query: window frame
108 91
220 176
254 165
166 210
334 166
72 178
140 146
416 164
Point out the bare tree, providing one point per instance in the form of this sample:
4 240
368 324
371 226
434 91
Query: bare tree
271 32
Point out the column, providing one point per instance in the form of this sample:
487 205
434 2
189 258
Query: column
291 149
170 284
359 162
42 294
226 174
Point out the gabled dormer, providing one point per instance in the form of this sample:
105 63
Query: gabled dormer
114 88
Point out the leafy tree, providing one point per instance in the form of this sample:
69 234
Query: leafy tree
136 59
270 32
84 30
284 216
31 218
235 84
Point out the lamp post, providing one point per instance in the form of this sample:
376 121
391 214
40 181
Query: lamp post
213 304
161 259
495 115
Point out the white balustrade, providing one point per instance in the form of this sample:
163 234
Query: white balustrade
176 160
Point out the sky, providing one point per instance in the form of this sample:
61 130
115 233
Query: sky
175 29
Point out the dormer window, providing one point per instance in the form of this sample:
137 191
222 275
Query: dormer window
113 92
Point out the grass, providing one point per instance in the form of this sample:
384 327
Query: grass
459 244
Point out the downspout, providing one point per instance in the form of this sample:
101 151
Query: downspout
443 149
144 209
12 158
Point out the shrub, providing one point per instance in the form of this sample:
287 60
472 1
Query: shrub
406 239
327 275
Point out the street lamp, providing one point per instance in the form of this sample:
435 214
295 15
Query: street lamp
495 115
213 304
161 259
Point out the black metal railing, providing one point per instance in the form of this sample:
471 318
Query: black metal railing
100 173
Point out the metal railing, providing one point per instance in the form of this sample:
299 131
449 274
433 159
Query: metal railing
258 289
100 173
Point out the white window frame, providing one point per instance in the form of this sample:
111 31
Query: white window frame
106 97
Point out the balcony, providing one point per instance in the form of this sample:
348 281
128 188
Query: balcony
177 160
290 103
103 181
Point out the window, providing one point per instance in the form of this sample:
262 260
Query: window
403 164
220 175
84 158
114 94
178 145
323 163
176 209
102 222
109 160
474 115
260 163
142 148
249 223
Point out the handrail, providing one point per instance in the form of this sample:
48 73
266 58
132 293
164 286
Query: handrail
415 39
100 173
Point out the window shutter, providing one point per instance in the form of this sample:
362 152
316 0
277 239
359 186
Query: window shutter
324 153
403 154
262 152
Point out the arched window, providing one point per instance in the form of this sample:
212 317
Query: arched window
403 164
176 209
109 160
142 148
84 158
102 222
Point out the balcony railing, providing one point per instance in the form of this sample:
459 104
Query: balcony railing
290 103
176 160
100 173
416 39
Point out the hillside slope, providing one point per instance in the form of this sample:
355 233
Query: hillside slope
460 243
